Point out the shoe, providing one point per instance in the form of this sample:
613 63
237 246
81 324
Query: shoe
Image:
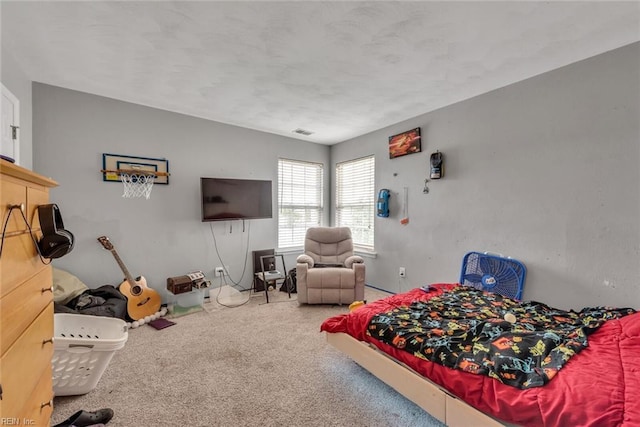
86 418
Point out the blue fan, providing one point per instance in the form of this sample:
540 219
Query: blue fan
493 273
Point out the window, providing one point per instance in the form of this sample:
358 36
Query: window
300 196
355 199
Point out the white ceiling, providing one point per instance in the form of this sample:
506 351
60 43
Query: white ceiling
339 69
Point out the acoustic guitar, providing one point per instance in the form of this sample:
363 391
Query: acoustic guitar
142 301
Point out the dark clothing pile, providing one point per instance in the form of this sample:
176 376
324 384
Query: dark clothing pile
103 301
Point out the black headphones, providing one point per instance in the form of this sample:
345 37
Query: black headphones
55 241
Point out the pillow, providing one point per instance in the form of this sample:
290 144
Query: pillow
66 286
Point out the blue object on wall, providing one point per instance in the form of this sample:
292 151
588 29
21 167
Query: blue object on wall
383 203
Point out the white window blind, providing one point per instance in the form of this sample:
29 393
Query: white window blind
300 196
355 199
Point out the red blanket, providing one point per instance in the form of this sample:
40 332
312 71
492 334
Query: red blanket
600 386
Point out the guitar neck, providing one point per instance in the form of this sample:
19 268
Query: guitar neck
123 267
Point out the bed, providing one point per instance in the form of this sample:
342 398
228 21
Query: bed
589 374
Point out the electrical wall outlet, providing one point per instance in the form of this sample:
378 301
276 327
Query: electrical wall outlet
402 272
219 271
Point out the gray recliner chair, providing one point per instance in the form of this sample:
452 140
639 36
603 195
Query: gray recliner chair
328 272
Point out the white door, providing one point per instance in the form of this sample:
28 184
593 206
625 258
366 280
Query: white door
10 145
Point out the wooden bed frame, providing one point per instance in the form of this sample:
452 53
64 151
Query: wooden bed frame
424 393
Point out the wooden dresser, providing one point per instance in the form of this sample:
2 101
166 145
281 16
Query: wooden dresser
26 303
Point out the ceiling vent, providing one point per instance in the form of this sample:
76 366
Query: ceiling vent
303 132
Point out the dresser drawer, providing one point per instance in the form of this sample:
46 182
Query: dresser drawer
37 411
13 194
19 262
24 364
19 307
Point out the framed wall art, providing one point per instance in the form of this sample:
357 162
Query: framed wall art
404 143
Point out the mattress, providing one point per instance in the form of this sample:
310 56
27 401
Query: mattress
598 386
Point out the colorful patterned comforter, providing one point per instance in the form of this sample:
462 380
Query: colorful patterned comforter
599 386
470 330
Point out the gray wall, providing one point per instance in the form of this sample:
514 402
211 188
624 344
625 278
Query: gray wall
163 236
17 82
545 171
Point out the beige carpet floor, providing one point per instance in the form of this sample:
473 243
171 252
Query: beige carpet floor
253 365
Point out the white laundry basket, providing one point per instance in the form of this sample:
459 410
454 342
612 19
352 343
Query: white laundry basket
83 347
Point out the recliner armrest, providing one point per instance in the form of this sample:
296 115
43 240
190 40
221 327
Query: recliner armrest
353 259
305 259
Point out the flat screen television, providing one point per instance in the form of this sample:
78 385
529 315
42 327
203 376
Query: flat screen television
228 199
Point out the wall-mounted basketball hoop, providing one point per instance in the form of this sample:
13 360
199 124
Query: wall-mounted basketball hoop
137 174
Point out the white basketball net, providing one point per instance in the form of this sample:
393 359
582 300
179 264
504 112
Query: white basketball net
137 185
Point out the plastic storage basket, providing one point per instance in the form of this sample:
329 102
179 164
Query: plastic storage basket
83 348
